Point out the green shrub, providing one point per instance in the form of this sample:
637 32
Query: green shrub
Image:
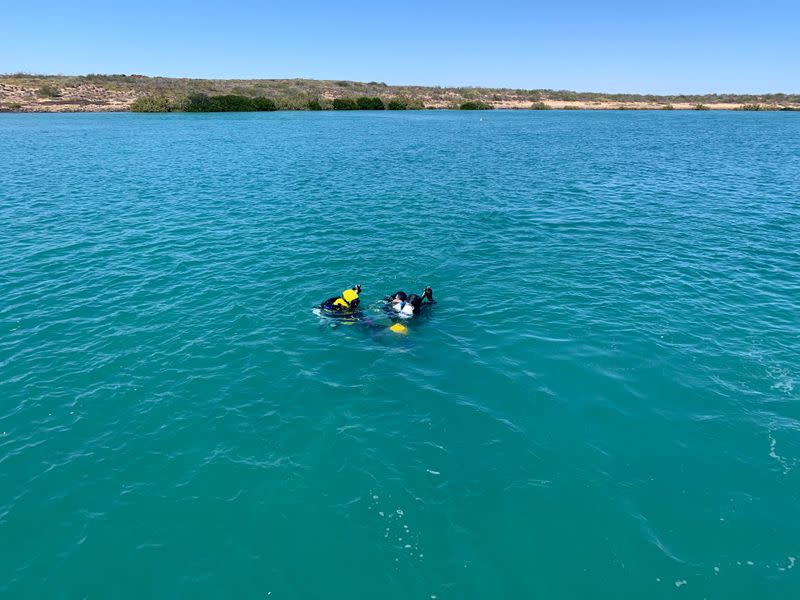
565 95
152 104
199 103
750 107
540 106
406 103
570 107
344 104
476 105
48 91
791 108
314 105
700 107
264 104
232 103
291 103
367 103
668 107
10 106
228 103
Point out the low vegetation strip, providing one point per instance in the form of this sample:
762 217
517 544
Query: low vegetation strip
32 93
476 105
228 103
235 103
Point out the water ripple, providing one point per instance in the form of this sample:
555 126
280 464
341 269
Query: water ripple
605 391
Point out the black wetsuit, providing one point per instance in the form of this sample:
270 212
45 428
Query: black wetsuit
329 305
413 299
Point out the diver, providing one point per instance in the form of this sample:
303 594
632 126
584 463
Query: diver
346 303
409 305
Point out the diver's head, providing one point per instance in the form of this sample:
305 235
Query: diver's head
428 293
357 288
400 296
415 301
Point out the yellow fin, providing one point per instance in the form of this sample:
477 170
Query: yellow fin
399 328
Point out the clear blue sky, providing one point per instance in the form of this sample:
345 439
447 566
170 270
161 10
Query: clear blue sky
671 46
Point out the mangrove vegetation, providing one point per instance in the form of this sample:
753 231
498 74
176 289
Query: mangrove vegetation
476 105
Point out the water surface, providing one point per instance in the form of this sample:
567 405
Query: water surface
604 402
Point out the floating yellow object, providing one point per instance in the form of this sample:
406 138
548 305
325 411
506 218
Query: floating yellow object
399 328
346 298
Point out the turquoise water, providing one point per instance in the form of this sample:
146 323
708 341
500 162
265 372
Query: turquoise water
604 402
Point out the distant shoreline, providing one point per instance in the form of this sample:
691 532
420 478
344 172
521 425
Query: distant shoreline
122 93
